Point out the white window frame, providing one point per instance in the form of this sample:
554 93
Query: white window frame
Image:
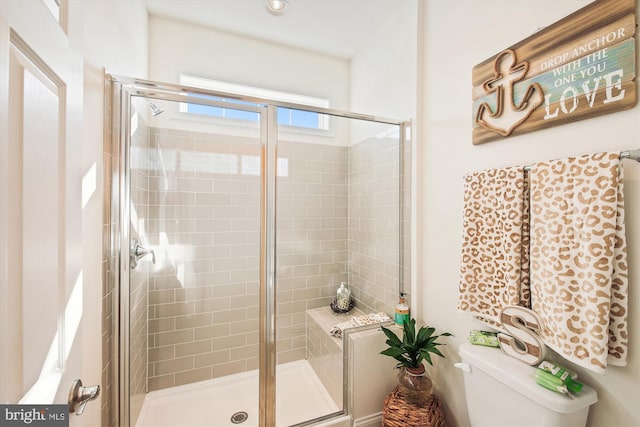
257 92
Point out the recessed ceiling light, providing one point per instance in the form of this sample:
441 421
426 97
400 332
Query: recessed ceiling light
277 7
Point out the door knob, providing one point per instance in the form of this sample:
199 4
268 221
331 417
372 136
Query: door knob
79 396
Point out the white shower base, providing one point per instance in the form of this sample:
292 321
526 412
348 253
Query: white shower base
300 396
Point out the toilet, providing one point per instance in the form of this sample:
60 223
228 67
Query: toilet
501 391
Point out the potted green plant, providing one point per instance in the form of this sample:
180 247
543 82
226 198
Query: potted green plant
410 352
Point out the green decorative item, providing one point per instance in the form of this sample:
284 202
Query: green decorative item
410 352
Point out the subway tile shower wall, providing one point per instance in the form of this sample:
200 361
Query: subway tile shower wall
374 223
109 225
337 220
204 223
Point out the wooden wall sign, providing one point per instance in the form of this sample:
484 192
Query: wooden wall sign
580 67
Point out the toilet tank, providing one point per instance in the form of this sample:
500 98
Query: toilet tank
501 391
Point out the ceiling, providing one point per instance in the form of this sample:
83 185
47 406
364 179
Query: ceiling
332 27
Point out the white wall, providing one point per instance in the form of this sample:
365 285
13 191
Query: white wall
115 39
175 47
384 70
457 36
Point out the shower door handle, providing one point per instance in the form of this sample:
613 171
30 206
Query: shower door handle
138 251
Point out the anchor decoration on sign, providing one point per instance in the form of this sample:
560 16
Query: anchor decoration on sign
524 343
508 115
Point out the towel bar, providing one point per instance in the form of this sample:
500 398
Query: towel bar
633 155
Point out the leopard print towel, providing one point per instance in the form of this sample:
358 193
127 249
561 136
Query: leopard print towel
494 264
578 258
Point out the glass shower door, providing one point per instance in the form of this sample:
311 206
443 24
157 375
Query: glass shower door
311 195
195 187
337 192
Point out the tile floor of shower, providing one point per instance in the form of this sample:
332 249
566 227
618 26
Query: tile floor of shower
300 396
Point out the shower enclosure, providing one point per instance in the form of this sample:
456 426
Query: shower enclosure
233 221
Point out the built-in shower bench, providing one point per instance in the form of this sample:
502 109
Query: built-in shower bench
323 319
324 351
326 356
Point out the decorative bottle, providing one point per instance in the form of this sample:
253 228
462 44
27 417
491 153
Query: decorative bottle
402 312
343 297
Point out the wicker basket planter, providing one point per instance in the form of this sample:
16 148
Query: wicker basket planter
400 412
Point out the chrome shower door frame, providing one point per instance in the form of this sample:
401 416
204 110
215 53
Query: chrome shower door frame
122 90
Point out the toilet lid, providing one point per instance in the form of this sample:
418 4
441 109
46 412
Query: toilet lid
521 377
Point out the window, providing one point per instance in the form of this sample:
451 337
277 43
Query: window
286 116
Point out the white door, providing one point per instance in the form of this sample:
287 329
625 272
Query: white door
41 280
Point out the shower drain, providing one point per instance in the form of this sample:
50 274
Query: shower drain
239 417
